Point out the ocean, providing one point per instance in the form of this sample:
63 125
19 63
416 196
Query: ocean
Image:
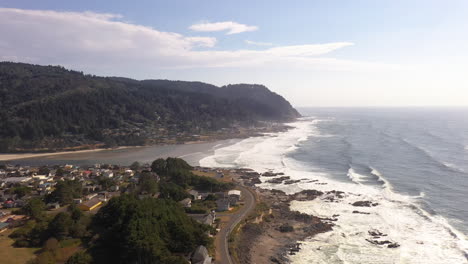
412 162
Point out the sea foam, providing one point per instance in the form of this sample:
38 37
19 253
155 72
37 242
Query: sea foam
423 237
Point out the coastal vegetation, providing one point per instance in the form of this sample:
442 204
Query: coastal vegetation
143 224
175 171
145 231
47 108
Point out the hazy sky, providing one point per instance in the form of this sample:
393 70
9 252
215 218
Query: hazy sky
314 53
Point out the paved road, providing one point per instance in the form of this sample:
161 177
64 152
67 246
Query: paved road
249 204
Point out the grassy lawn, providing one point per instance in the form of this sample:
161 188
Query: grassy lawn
227 175
202 173
11 254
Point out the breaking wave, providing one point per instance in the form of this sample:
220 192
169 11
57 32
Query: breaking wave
423 237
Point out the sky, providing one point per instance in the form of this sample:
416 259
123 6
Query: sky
314 53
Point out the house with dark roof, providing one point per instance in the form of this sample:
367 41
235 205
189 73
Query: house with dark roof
200 256
207 219
195 194
223 205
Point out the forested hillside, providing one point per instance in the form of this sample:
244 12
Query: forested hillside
50 107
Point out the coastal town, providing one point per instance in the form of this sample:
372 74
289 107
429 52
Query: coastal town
89 188
236 211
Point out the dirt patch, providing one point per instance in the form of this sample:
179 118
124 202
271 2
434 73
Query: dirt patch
12 254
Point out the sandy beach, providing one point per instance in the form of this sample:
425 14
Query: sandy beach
17 156
192 152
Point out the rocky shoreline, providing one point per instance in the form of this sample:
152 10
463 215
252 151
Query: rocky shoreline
273 234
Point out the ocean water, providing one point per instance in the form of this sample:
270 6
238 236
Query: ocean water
412 162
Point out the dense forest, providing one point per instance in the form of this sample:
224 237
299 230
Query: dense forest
50 107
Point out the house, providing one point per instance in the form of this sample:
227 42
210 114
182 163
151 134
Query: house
195 194
187 203
200 256
233 200
9 204
90 205
90 196
15 220
53 206
235 193
40 177
77 201
223 205
86 173
108 174
207 219
45 186
17 179
90 188
3 227
203 195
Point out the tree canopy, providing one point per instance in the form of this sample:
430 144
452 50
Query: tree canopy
47 107
145 231
65 191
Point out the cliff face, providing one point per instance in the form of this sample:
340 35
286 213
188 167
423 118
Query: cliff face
50 105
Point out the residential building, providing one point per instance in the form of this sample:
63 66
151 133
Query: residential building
223 205
90 205
200 256
195 194
236 193
187 202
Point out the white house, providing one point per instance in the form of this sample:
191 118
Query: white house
235 193
108 174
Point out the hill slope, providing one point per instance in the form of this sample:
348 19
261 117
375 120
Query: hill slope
49 107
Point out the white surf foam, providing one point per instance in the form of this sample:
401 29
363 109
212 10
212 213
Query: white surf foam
423 238
386 184
356 177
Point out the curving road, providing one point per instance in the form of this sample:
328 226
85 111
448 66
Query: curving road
249 204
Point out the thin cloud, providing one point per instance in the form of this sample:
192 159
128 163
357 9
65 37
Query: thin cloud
103 43
229 26
255 43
